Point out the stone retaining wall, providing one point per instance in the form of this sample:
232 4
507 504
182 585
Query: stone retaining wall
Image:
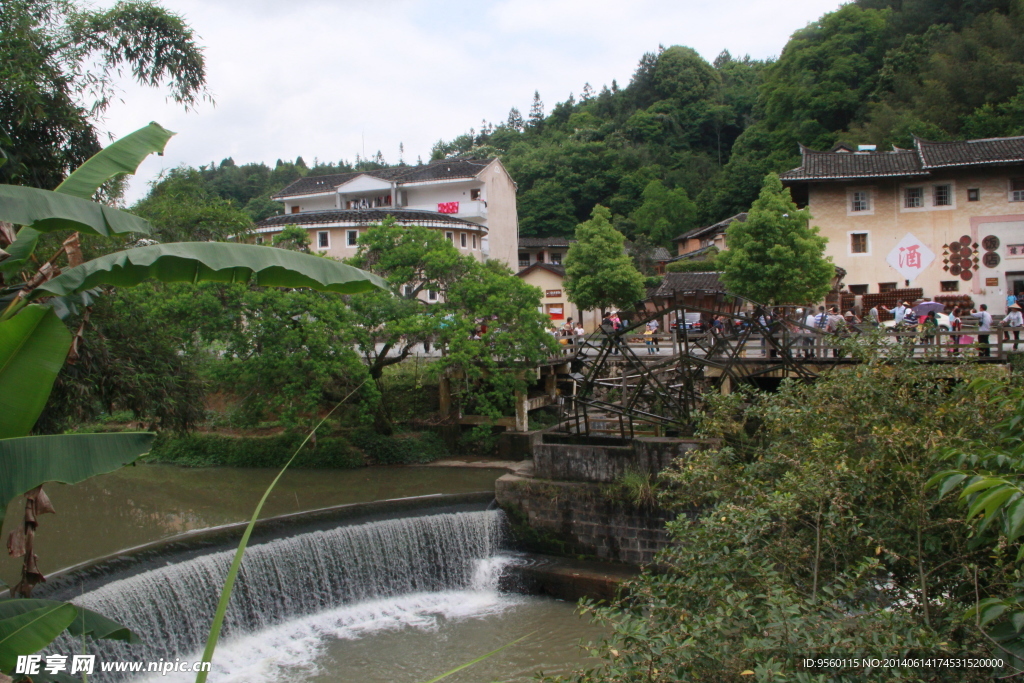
607 462
575 518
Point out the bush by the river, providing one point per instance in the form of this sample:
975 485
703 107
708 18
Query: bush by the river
400 449
360 448
210 450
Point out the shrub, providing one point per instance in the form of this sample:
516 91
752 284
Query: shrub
400 449
210 450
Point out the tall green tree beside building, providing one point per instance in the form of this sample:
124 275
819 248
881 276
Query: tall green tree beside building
775 256
599 272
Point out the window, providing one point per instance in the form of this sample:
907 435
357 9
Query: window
950 286
407 290
524 259
431 295
474 241
556 257
462 239
352 237
323 239
474 194
259 240
913 198
884 287
858 290
450 236
859 201
859 243
942 195
1017 189
973 194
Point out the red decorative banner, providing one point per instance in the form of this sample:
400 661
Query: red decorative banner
448 207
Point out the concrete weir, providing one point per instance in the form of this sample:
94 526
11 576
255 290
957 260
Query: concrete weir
568 502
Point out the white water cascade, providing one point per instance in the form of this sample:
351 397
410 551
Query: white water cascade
289 579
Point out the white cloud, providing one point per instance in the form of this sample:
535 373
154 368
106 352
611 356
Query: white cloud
331 79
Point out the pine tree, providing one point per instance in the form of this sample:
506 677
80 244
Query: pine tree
536 111
515 120
774 256
587 94
598 271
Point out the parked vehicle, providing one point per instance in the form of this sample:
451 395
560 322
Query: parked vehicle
691 323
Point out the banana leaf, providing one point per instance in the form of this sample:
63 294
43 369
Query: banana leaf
30 632
212 262
121 156
33 346
20 250
27 462
87 622
48 211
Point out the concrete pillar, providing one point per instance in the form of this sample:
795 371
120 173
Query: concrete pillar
522 414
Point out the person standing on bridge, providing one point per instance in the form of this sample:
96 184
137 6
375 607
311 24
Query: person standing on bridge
984 328
1013 319
652 327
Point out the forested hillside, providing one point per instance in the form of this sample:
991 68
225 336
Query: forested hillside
688 143
692 141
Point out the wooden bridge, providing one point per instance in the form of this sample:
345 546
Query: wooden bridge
624 383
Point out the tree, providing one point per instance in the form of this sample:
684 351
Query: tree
664 214
516 339
515 120
598 271
774 256
292 237
58 62
536 119
183 209
413 260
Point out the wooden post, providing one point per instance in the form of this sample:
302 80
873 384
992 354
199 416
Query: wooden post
444 395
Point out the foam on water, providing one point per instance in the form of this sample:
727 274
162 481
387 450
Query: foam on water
294 592
289 651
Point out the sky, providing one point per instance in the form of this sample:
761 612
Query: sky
329 80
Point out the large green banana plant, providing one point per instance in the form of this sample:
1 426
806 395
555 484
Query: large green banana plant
34 344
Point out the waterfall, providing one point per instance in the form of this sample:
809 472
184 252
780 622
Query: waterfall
172 607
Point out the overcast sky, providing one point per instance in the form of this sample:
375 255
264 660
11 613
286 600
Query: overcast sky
332 79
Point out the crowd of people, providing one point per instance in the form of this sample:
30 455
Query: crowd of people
925 324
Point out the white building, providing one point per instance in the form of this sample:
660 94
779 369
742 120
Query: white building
473 201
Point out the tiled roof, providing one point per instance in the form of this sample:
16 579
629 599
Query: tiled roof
688 282
970 152
365 216
661 254
717 228
550 267
920 161
541 242
435 170
849 165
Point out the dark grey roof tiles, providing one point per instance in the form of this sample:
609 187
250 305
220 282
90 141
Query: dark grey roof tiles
970 152
848 165
716 228
365 216
689 282
920 161
435 170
